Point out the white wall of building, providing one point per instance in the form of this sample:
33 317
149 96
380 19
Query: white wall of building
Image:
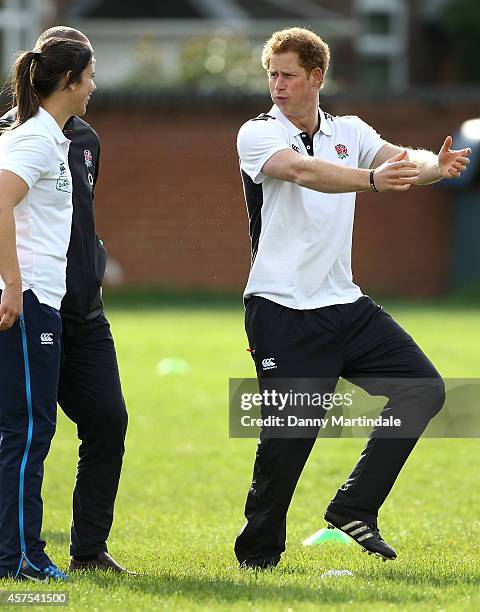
120 45
21 21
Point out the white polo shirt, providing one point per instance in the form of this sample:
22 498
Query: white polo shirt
301 238
37 152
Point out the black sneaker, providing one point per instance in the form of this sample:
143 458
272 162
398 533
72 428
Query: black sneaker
365 534
51 572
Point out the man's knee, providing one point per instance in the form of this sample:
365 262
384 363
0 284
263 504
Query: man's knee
421 399
432 395
438 395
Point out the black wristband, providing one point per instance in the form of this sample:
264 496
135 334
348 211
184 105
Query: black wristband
372 181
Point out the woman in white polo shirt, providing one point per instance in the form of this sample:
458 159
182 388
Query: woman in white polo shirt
49 86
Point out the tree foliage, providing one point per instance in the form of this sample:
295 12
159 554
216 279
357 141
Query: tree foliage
461 20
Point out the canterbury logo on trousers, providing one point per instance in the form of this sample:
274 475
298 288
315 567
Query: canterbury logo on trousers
30 357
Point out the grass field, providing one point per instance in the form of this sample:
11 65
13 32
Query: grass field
183 488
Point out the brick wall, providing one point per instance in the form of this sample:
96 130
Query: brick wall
170 207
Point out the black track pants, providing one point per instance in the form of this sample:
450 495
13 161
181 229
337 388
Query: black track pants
356 341
90 394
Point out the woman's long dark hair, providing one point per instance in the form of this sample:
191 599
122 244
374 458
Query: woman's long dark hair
36 74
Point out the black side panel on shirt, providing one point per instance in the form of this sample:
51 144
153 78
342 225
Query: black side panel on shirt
254 200
86 256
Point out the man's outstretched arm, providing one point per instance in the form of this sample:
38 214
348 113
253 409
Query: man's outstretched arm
432 168
394 174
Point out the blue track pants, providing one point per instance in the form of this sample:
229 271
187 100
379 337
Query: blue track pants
29 371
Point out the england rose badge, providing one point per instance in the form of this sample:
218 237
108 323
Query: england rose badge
342 151
88 158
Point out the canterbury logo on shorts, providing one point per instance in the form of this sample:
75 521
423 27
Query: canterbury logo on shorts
269 364
46 338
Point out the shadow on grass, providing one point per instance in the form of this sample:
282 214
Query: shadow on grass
228 591
426 578
387 588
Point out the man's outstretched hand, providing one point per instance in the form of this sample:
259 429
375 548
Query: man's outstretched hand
396 174
451 164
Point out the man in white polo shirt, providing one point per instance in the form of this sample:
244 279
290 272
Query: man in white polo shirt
305 318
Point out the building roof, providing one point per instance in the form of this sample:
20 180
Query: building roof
140 9
208 9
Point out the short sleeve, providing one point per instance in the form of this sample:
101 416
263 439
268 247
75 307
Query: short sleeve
370 143
27 156
257 141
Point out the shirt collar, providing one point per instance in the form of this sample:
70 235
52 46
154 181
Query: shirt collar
52 126
325 126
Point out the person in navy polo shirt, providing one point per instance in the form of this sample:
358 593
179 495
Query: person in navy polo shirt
49 85
89 389
305 318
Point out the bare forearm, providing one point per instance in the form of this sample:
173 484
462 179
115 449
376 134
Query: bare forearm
427 163
331 178
9 268
395 174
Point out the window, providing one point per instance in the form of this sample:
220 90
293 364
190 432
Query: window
377 23
374 73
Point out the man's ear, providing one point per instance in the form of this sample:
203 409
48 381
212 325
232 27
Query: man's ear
316 76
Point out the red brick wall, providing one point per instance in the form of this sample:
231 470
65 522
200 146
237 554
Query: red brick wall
170 206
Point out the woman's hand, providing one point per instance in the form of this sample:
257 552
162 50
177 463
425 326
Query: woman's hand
11 305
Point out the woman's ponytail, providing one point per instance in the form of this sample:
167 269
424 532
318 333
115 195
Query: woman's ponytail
24 94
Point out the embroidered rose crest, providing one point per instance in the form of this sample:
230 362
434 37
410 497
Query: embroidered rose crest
88 158
341 150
